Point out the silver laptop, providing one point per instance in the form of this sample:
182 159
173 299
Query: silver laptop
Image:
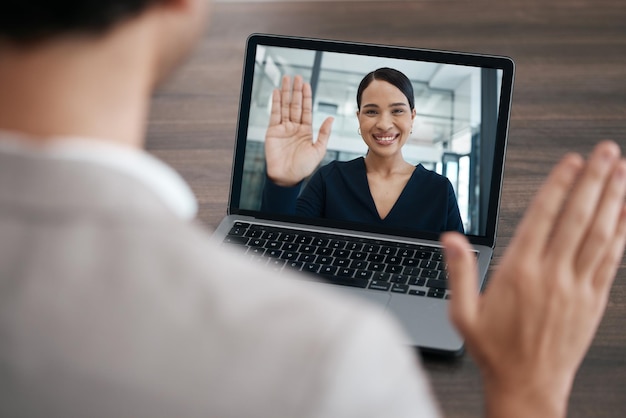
459 135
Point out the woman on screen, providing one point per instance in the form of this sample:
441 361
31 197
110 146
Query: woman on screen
379 189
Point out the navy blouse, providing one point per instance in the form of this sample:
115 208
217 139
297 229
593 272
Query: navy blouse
340 191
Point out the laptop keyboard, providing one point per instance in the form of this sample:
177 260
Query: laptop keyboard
385 266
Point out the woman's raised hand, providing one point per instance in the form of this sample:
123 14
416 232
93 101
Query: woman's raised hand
291 153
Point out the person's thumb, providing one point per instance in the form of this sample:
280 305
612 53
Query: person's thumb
324 133
462 281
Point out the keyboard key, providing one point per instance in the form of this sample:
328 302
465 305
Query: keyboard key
289 246
399 288
296 265
410 262
371 248
289 255
337 244
270 235
398 278
424 255
237 231
254 233
411 271
391 268
377 266
363 274
341 253
324 259
320 242
436 293
382 276
393 259
345 272
354 246
341 262
379 285
429 264
287 237
307 258
324 251
328 270
416 281
359 264
273 253
273 245
376 258
236 240
437 257
308 249
417 292
406 252
345 281
430 274
359 255
437 284
304 239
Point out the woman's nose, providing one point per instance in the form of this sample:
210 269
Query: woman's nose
384 122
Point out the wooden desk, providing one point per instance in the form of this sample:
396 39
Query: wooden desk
570 92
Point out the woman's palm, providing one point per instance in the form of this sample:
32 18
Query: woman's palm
290 151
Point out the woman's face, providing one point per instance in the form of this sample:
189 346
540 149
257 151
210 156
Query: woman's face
385 118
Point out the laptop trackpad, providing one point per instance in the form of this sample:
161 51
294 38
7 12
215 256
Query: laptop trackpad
378 298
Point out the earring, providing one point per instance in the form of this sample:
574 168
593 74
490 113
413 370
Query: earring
359 131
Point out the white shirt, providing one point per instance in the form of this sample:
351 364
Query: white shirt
168 185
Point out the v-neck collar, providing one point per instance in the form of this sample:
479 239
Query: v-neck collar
371 202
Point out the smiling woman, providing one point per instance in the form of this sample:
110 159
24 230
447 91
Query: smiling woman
380 188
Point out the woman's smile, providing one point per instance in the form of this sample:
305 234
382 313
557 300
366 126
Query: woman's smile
386 138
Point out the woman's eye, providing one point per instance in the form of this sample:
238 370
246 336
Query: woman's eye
398 111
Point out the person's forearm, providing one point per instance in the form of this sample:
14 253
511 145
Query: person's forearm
524 400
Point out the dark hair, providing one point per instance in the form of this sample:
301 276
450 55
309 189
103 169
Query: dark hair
391 76
27 21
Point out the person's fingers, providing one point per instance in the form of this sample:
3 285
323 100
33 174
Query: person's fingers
463 281
603 279
578 213
285 98
600 234
275 115
324 134
307 104
534 230
295 109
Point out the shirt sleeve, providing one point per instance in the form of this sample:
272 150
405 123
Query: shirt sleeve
311 202
454 222
278 199
375 375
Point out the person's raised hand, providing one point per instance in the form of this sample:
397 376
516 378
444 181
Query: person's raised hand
530 329
291 153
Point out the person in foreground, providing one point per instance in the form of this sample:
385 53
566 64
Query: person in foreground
114 304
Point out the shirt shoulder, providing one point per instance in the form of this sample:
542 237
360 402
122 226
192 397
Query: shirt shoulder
350 167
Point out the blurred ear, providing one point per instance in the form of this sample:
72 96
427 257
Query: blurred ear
177 27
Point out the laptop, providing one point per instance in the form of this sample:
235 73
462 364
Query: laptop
462 103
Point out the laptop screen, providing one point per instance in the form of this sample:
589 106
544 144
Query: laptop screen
457 138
